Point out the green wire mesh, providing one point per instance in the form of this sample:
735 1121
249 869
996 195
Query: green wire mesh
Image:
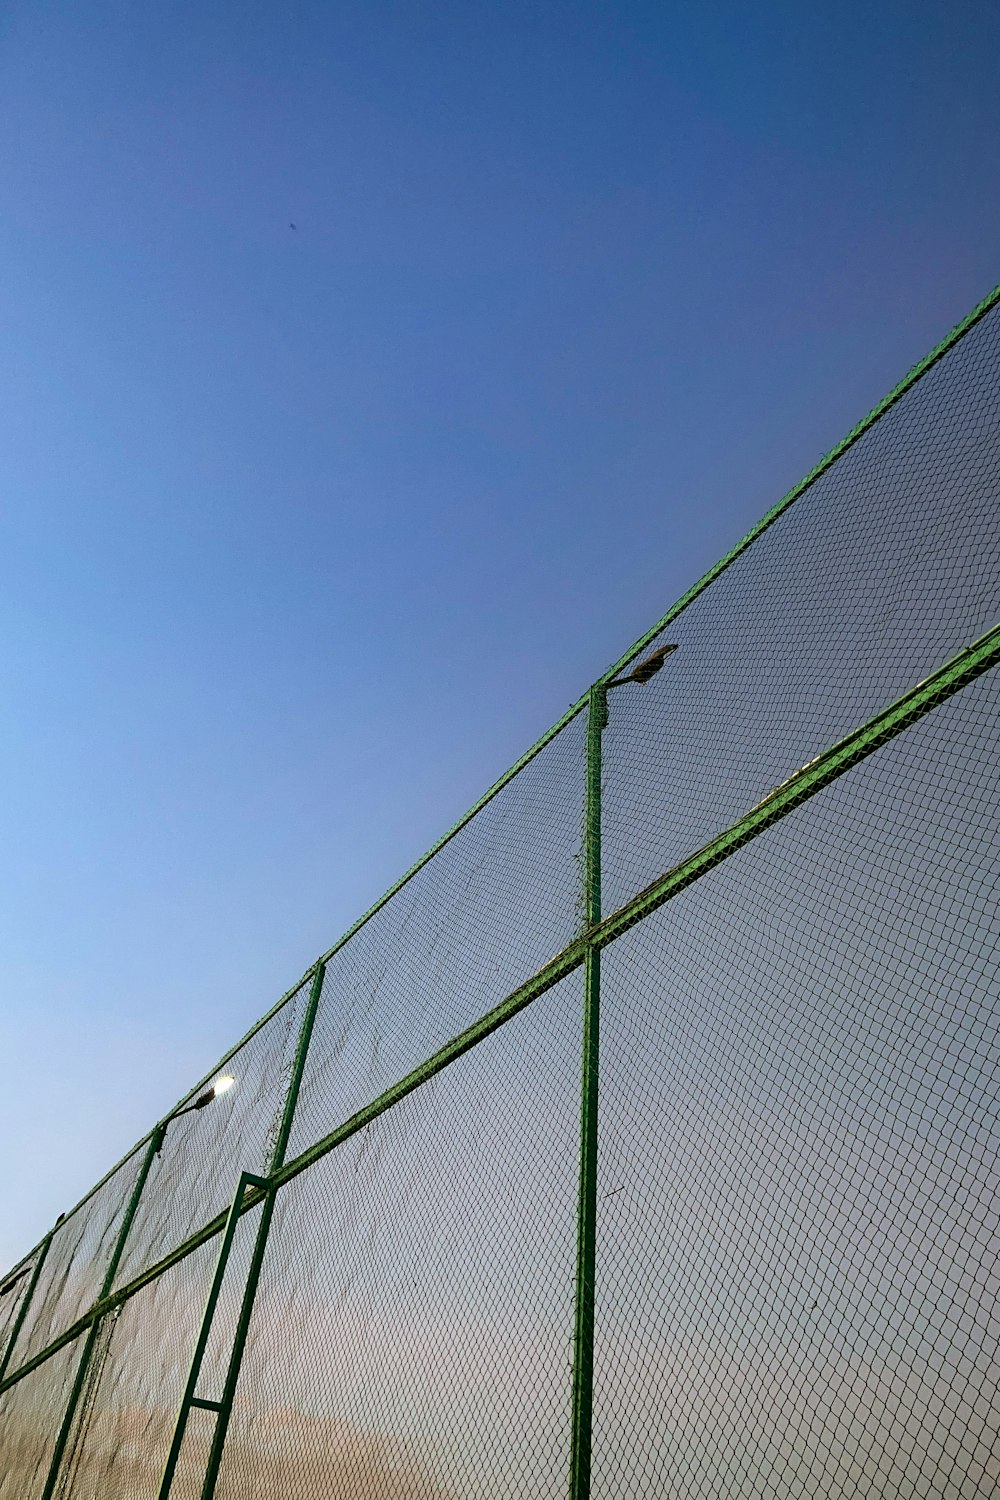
412 1335
125 1421
77 1259
193 1177
13 1290
886 567
797 1221
30 1414
439 954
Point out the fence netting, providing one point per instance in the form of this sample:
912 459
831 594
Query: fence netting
698 1199
13 1291
800 1126
439 954
418 1340
30 1413
886 566
78 1256
193 1175
126 1418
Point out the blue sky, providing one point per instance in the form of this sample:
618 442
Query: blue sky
307 533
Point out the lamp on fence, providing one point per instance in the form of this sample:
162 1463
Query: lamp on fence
221 1086
648 667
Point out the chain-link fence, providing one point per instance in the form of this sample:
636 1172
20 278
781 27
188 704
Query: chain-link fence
643 1140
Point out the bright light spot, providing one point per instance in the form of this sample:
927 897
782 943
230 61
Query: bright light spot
222 1084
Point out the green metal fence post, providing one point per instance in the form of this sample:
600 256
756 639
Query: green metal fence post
298 1068
155 1141
225 1409
586 1242
22 1311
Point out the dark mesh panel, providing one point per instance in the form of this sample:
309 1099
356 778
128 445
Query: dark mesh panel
133 1389
77 1261
800 1120
443 950
195 1175
412 1333
886 567
30 1414
13 1290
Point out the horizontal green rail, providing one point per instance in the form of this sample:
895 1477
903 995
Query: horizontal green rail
811 778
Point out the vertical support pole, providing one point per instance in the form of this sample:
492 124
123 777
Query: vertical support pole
586 1237
260 1244
232 1220
153 1146
22 1311
298 1068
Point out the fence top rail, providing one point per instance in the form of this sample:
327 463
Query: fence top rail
910 379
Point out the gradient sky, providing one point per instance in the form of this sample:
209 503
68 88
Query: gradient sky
307 533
